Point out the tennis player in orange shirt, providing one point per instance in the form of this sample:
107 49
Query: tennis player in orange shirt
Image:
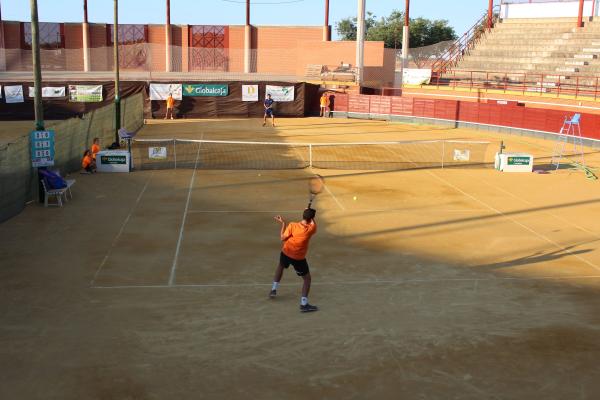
170 105
295 238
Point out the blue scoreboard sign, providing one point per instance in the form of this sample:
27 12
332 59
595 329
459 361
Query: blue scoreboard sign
42 148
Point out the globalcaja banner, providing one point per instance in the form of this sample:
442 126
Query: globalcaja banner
49 91
14 94
280 93
202 90
85 93
160 91
249 92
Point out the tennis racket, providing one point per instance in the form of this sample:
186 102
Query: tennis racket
315 186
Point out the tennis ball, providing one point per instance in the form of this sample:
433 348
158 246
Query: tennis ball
354 198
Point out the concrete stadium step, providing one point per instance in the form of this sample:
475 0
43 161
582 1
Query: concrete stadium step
531 60
576 63
492 41
586 56
538 21
527 79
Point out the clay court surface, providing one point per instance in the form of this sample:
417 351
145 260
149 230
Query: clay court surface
456 283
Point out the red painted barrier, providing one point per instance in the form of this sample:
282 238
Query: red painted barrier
507 114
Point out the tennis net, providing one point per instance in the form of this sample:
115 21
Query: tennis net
219 154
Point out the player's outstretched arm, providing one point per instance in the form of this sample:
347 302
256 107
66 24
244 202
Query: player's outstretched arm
280 219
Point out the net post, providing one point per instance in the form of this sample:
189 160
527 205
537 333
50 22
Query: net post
310 158
175 151
443 152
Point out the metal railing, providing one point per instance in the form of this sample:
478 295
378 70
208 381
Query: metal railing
463 44
525 83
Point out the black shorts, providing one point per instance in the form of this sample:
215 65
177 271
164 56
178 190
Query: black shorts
268 112
301 266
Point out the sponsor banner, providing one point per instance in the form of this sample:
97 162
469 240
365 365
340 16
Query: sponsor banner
114 160
519 161
160 91
42 148
280 93
157 153
58 91
14 94
202 90
85 93
414 76
249 92
462 155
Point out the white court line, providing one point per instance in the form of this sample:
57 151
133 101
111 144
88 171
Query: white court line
241 211
597 236
185 212
391 210
349 283
557 245
340 205
115 240
536 233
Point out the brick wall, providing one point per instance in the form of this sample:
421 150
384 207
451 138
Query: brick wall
73 47
156 54
236 48
282 50
278 47
12 44
100 54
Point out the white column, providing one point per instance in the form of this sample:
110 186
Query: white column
168 50
360 41
405 46
247 49
86 47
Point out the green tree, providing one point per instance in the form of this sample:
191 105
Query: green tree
423 32
346 28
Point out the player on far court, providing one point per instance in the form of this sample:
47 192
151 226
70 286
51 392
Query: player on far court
170 106
324 103
295 238
268 104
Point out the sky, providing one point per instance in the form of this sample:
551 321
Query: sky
460 14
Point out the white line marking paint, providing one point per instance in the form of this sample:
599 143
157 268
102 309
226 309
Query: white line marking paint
116 239
185 212
597 236
241 211
557 245
347 283
536 233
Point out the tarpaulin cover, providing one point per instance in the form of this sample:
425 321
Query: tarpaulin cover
62 108
233 106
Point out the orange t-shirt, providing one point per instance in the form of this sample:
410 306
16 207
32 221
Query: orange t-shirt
170 102
324 101
86 162
95 149
297 235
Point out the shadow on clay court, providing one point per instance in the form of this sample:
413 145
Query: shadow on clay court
536 258
478 218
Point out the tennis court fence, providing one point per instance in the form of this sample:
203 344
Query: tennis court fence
233 155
